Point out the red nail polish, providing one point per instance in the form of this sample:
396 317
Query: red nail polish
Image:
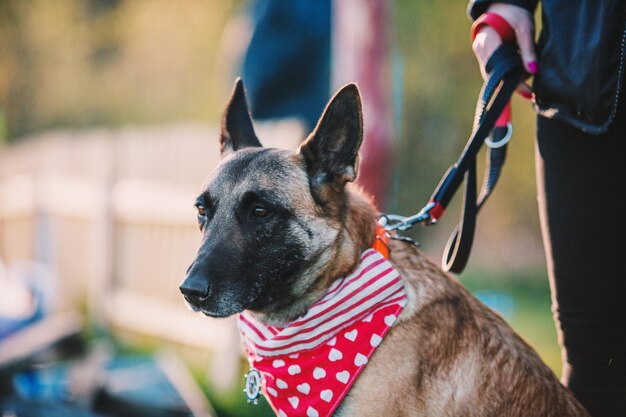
526 95
532 67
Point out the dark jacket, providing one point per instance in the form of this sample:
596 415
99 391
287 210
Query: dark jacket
581 54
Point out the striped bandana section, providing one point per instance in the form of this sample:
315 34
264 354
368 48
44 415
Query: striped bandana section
308 366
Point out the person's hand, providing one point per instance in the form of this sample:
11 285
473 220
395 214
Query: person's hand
487 41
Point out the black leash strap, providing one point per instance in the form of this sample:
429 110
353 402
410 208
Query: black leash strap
505 71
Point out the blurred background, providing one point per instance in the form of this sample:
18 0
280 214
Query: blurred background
109 116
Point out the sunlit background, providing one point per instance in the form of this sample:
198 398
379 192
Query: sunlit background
109 122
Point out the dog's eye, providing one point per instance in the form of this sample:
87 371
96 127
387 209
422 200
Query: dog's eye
201 215
259 212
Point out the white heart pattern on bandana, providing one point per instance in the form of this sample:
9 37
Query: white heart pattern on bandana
326 395
390 320
351 335
335 355
375 340
294 369
360 359
304 388
294 401
312 412
308 367
343 376
319 373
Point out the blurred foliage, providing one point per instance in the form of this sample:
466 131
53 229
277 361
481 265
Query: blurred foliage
106 62
3 128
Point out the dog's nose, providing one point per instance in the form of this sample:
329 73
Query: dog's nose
195 286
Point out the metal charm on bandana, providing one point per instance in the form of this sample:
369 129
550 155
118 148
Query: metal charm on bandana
252 386
308 366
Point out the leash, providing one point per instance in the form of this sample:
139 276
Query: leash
491 126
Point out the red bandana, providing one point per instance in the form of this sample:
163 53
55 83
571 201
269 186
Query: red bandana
308 367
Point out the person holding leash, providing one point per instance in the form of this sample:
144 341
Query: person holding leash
578 92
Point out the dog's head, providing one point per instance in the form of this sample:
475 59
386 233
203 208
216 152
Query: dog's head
273 221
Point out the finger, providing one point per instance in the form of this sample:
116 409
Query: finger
525 34
524 90
484 45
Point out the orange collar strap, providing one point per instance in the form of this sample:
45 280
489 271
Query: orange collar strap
381 242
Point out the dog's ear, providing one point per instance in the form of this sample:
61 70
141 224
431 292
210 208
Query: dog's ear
331 152
237 129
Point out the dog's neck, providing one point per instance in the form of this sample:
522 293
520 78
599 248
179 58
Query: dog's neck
356 235
359 231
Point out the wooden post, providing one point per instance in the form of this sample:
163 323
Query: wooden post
99 286
360 54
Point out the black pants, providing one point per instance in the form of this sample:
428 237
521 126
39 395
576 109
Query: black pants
581 181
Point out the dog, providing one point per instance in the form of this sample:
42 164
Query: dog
279 228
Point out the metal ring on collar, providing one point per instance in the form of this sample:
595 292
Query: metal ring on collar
503 141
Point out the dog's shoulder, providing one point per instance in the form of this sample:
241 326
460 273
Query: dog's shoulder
427 286
444 313
450 350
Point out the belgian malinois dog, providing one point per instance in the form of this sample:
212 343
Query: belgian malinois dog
280 227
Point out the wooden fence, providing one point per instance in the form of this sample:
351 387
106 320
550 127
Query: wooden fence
111 213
